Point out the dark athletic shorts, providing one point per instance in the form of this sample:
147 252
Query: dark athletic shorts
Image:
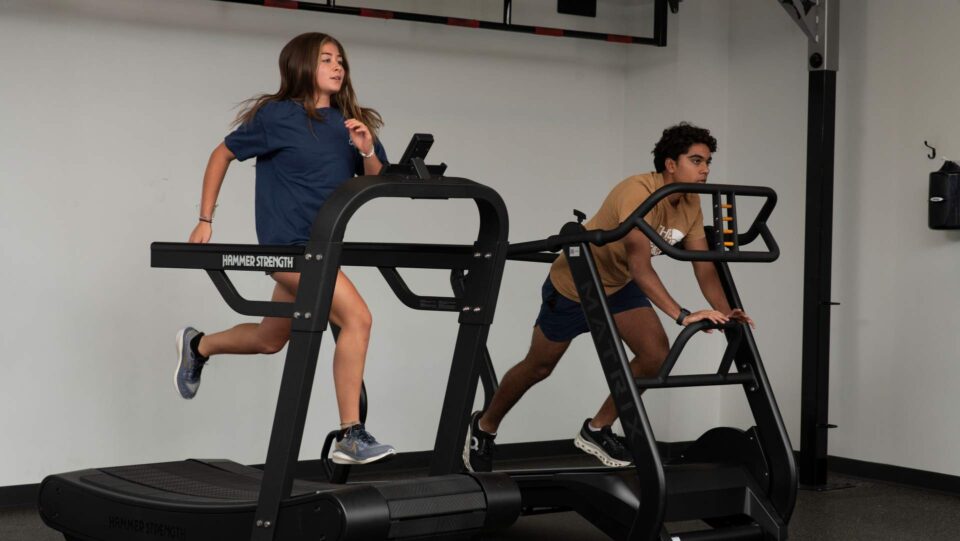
562 319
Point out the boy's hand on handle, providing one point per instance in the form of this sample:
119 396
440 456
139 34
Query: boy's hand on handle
202 233
739 315
360 135
713 315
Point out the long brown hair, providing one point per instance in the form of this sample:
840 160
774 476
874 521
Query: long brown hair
298 83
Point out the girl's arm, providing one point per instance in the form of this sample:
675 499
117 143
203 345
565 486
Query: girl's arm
216 170
363 141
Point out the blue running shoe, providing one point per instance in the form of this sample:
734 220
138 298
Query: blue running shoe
189 364
357 446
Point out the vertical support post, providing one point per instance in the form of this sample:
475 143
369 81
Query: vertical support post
316 284
458 399
478 300
660 23
648 522
766 413
817 265
818 245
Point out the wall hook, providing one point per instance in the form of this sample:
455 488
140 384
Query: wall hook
933 151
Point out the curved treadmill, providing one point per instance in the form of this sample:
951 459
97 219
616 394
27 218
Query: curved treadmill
218 499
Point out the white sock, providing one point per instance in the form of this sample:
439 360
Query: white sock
592 429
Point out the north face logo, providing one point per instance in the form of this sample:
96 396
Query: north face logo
672 236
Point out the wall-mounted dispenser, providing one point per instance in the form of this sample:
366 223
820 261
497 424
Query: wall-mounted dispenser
944 200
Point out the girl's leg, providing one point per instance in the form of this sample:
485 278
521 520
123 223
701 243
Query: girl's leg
268 336
349 312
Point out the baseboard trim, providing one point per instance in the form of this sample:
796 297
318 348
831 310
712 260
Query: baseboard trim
26 495
895 474
19 495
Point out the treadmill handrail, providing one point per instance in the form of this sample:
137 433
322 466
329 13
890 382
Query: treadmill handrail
270 257
600 237
216 258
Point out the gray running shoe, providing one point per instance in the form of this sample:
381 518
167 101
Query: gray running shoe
603 444
357 446
189 365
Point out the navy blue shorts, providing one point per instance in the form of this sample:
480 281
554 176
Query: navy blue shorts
562 319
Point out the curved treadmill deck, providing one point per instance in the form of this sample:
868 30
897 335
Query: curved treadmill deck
216 499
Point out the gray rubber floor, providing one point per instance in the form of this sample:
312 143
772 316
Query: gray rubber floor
868 511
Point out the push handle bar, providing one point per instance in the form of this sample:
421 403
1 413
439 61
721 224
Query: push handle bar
758 228
687 333
734 331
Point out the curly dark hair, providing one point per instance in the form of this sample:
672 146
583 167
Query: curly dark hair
676 140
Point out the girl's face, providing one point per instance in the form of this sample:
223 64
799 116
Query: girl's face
330 70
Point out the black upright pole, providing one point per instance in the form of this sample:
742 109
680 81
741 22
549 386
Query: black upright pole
820 21
816 278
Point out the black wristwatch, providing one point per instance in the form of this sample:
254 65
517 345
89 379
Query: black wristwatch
683 315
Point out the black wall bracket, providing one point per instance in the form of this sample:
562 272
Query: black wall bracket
819 20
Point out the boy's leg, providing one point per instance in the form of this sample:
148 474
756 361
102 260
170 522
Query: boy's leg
540 361
537 365
643 333
640 328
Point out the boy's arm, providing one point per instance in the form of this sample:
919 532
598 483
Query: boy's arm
709 280
706 274
641 269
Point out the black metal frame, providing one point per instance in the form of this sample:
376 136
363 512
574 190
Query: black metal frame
476 274
318 263
633 416
817 265
758 228
659 38
771 497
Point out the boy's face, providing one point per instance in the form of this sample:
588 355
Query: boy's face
692 166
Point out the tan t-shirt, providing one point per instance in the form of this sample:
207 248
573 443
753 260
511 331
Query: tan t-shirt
673 223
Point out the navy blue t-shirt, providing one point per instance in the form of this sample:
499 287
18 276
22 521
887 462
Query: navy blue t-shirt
297 168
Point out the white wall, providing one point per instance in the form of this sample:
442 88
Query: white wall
111 109
896 363
767 113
